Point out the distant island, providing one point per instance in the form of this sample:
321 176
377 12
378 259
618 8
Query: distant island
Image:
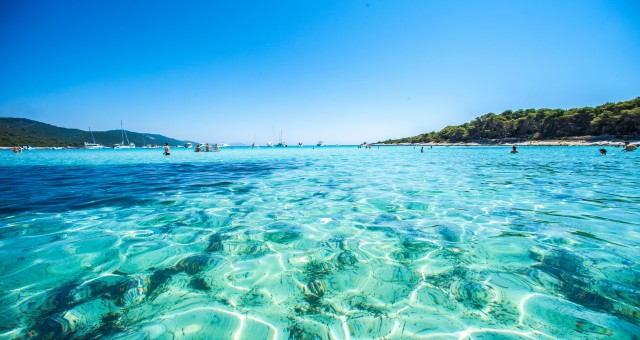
22 131
608 121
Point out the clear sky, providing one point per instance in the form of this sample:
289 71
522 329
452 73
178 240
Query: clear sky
342 71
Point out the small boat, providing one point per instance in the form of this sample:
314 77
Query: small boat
320 143
281 144
27 147
188 146
223 145
271 144
122 145
300 144
94 145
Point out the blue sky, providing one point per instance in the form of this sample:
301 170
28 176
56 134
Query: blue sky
339 71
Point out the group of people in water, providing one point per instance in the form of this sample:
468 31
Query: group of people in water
207 148
627 147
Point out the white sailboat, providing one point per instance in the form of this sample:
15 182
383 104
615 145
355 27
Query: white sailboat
280 142
124 136
320 143
94 145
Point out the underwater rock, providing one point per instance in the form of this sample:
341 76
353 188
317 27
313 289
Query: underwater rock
347 258
215 243
131 291
194 264
317 269
60 299
200 283
559 263
316 287
282 237
72 323
159 278
282 233
450 233
251 248
417 245
405 256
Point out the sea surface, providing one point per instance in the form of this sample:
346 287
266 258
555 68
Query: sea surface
320 243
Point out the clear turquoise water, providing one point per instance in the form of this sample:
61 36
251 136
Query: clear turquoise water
324 243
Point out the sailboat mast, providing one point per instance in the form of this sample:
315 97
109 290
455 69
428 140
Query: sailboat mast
124 134
121 133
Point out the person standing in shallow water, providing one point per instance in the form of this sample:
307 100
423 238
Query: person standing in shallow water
167 151
513 149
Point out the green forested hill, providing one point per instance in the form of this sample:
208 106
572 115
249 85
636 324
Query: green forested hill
618 120
20 131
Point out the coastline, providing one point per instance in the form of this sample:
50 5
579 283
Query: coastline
554 142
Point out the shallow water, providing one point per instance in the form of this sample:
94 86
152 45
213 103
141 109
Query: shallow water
320 243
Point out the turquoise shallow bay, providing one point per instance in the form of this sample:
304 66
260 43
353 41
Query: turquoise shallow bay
320 243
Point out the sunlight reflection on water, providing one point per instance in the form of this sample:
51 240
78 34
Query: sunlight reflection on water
320 243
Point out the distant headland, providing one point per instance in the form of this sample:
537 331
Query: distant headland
22 131
607 123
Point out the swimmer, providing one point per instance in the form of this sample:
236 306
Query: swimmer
198 148
167 151
603 152
208 147
217 147
513 149
629 147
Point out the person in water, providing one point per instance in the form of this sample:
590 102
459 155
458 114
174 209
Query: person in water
603 152
198 148
217 147
208 147
513 149
629 147
167 151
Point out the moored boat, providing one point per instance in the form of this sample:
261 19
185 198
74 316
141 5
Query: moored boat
94 145
122 145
